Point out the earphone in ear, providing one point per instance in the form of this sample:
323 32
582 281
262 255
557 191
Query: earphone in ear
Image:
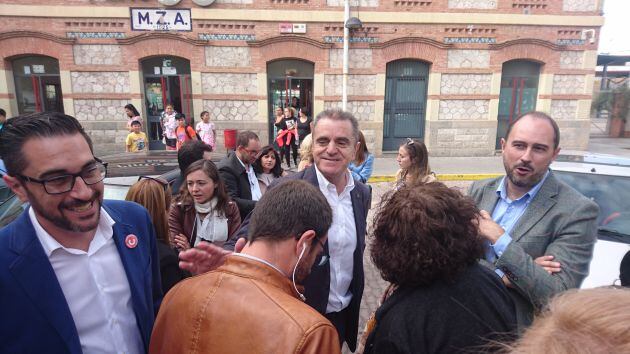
294 269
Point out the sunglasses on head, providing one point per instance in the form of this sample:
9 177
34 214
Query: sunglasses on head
410 141
156 179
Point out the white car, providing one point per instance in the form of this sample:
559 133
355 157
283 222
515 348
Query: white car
605 179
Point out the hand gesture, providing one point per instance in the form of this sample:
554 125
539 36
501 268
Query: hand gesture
206 256
547 263
181 242
489 229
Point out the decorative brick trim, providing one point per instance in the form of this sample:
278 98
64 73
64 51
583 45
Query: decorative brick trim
160 36
34 34
289 38
411 40
531 41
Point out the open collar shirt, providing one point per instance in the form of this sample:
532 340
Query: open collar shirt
253 180
96 289
507 213
342 241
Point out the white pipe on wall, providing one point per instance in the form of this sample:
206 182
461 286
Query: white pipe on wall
346 35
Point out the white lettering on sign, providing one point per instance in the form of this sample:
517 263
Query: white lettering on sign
161 19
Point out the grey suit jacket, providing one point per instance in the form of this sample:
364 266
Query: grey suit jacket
560 222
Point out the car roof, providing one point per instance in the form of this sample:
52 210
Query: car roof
592 163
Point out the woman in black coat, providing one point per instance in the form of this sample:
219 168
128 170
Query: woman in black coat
441 300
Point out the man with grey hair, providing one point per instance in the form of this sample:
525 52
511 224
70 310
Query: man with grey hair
334 289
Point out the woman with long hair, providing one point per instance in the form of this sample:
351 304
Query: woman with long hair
154 194
203 210
426 243
287 135
267 167
132 115
361 167
413 159
306 153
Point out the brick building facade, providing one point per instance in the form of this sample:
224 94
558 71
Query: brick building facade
450 72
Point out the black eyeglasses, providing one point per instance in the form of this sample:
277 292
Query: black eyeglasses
325 257
93 174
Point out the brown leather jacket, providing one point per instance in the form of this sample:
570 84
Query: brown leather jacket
244 306
181 219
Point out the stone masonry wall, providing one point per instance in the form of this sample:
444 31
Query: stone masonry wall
363 110
564 109
231 110
234 1
357 85
100 82
456 139
228 56
227 83
568 84
472 4
468 58
463 110
357 58
465 84
105 122
579 5
571 60
97 54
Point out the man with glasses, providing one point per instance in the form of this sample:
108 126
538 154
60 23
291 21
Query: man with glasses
78 274
239 176
256 304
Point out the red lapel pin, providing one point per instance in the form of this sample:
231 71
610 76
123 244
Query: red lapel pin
131 241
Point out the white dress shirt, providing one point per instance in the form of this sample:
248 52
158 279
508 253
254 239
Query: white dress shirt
253 180
342 241
96 289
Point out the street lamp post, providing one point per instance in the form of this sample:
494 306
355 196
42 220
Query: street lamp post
346 35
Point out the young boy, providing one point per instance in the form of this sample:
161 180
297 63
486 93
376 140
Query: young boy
136 140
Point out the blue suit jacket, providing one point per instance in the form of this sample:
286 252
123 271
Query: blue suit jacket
35 317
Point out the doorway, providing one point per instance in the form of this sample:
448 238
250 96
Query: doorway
519 89
405 102
166 80
290 83
37 84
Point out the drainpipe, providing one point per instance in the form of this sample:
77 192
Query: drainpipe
346 35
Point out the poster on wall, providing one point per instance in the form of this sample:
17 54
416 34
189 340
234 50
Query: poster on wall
144 19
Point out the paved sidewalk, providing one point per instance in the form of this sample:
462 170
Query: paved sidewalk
447 168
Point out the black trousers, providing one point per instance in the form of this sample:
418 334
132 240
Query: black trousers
287 152
339 320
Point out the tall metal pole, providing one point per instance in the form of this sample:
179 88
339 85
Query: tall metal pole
346 35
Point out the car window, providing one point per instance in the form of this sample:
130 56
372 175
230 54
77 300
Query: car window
612 194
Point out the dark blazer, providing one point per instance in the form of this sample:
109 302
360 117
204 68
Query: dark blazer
559 221
35 315
236 182
317 285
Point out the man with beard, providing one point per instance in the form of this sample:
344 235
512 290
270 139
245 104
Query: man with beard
253 303
78 274
540 232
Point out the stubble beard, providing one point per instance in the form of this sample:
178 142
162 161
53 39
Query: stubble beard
62 222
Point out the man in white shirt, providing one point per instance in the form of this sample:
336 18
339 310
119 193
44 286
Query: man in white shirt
78 274
237 172
336 288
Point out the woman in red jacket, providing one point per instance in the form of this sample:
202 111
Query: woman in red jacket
203 210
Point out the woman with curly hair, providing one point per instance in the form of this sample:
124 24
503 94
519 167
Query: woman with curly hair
413 159
441 300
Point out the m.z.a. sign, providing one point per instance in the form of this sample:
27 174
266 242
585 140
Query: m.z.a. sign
161 19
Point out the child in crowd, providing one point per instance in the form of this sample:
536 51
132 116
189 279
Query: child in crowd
169 124
132 115
205 129
136 140
184 132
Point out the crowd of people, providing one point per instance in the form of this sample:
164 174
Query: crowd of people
278 256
